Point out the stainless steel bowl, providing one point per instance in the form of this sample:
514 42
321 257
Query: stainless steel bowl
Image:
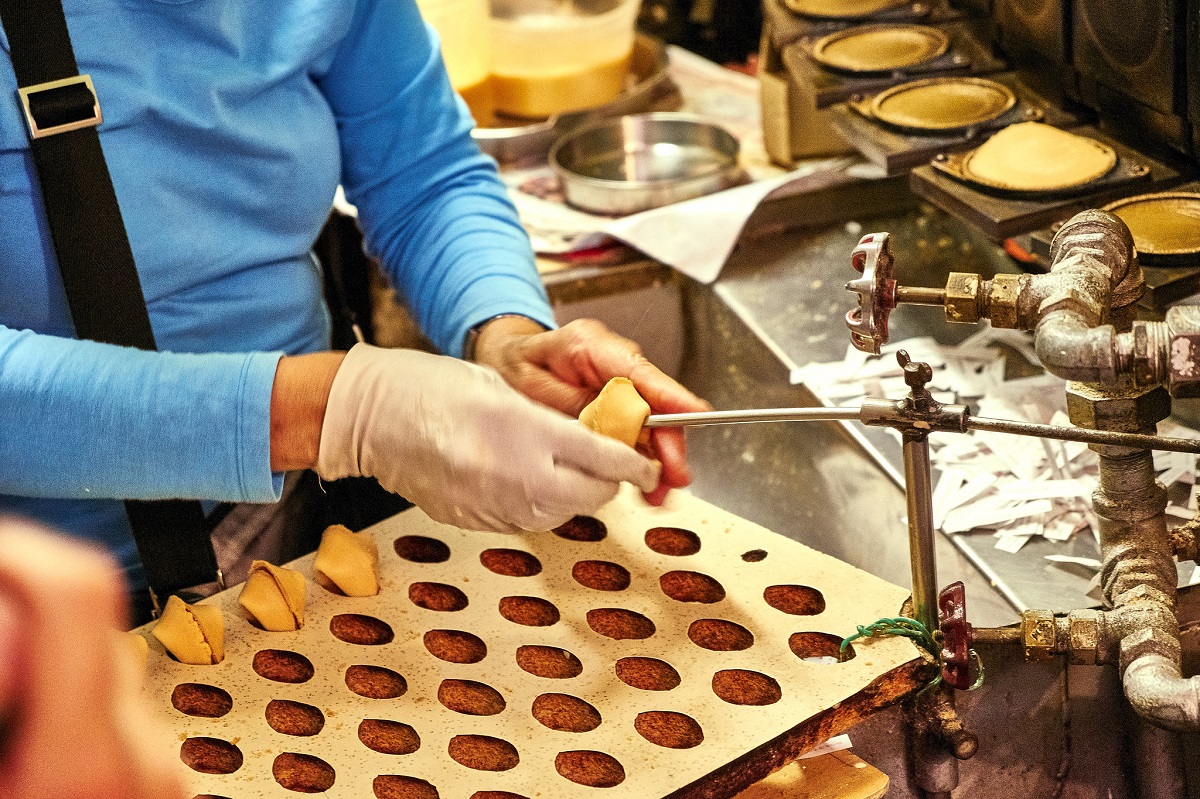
643 161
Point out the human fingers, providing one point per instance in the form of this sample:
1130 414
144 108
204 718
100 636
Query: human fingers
604 458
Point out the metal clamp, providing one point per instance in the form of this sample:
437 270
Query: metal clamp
67 102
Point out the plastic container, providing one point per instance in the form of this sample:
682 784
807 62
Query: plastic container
554 56
463 26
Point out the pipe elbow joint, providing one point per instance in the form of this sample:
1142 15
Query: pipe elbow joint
1158 692
1070 348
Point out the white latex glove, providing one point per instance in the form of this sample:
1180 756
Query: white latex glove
454 439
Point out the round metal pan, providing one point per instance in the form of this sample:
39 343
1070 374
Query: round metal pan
942 105
879 48
514 139
841 9
634 163
1165 226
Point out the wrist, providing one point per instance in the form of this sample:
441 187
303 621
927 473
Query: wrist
299 397
487 338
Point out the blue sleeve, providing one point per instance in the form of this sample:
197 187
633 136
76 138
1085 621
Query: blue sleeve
88 420
431 206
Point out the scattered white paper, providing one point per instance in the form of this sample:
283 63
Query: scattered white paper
1018 487
835 744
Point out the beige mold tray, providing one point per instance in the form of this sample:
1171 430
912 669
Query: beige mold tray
649 652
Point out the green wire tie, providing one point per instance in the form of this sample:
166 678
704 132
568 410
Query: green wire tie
919 634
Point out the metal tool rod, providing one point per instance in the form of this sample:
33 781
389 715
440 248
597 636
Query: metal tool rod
918 492
919 295
754 415
1132 440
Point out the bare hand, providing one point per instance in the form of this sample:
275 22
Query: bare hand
73 724
566 368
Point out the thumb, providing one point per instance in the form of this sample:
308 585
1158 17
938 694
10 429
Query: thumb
604 458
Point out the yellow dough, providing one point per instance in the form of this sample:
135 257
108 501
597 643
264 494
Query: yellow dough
349 561
1032 156
194 634
137 649
274 597
619 412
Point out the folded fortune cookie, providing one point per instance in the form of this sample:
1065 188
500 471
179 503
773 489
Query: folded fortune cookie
349 561
618 412
194 634
274 597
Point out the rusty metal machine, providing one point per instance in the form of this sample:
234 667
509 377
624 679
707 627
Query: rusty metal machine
1122 375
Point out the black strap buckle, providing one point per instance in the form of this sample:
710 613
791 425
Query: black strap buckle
60 106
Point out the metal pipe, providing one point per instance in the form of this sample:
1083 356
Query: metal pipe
1157 757
919 496
752 415
920 295
1070 348
1156 689
1085 435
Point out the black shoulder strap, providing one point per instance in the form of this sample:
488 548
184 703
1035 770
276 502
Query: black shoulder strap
94 257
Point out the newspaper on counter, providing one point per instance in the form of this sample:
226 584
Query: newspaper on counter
1017 487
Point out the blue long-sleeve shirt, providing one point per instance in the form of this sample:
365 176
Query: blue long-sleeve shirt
227 127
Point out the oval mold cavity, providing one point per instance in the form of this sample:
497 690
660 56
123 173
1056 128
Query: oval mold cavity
593 769
548 661
294 718
422 549
483 752
620 624
280 665
397 786
565 713
455 646
303 773
470 697
210 755
601 575
437 596
719 635
203 701
388 737
795 600
375 682
510 562
674 541
669 729
818 645
647 674
530 611
743 687
687 586
582 528
356 628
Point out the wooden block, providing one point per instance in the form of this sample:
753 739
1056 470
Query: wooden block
649 652
837 775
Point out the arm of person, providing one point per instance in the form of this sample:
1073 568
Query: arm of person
89 420
73 721
435 212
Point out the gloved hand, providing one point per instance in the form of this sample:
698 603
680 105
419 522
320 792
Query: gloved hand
457 441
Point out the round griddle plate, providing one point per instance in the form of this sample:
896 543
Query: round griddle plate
841 9
1165 226
1032 157
942 105
880 48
